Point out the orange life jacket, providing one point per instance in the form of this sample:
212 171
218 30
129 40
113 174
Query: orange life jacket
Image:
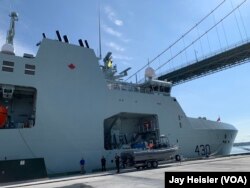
3 116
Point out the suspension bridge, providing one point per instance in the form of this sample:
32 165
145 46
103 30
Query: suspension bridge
224 58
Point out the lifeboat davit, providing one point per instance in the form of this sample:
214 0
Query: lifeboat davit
3 116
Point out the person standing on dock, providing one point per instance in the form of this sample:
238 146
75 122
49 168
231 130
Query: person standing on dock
117 162
103 161
82 164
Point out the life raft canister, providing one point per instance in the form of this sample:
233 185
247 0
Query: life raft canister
3 115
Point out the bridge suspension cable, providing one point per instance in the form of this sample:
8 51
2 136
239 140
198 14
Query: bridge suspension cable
232 11
174 43
244 27
237 23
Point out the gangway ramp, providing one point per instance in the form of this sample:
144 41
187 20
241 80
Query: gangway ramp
229 58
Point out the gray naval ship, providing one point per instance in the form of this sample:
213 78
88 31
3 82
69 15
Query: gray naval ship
62 105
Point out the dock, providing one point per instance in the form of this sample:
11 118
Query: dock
142 178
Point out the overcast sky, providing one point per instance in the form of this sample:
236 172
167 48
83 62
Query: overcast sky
136 31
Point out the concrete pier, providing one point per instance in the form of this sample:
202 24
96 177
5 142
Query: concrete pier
129 178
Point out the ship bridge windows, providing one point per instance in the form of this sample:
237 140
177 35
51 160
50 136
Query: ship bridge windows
29 69
8 66
148 87
17 106
161 89
157 86
131 130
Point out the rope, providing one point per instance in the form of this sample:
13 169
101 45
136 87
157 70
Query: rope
27 145
32 153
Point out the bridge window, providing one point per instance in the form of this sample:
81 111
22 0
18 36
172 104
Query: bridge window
8 66
29 69
167 89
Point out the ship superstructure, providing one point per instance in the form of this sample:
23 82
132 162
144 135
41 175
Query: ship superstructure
63 105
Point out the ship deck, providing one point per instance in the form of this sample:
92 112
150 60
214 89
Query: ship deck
142 178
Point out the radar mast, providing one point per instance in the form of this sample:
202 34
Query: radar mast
110 71
8 46
11 32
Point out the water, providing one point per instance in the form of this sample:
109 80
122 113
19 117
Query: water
240 149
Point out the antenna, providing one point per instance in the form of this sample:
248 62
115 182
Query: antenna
65 38
8 46
11 32
80 42
58 35
99 25
86 43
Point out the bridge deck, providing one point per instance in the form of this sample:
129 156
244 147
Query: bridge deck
227 59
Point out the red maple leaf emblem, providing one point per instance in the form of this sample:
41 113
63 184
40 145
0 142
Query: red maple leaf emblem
71 66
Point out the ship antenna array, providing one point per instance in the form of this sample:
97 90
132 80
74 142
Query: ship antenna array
8 47
180 38
99 27
11 32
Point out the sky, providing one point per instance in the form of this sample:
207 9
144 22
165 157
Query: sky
136 31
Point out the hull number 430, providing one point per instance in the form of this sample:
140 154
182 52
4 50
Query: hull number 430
203 150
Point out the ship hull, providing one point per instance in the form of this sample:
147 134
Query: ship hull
77 114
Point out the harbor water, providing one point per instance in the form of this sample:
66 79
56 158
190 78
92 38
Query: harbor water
240 149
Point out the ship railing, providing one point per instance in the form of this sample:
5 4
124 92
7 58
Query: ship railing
131 87
112 85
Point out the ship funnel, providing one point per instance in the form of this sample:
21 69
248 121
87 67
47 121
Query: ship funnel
8 47
58 36
86 43
65 38
44 36
80 42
